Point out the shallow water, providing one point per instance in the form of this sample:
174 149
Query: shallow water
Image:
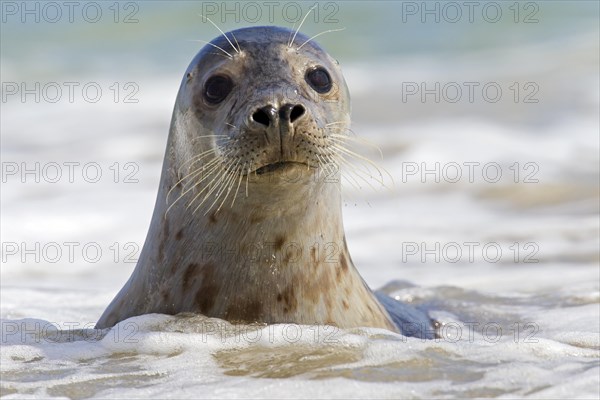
508 346
509 268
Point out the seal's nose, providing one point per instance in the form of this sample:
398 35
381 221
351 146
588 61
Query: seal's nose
287 114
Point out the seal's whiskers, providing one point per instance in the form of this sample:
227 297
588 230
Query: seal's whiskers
300 26
208 169
357 139
242 168
216 166
360 174
228 55
317 35
223 33
335 159
236 174
212 187
365 162
201 154
236 42
226 183
363 167
326 164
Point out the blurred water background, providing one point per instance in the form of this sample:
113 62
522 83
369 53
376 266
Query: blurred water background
504 93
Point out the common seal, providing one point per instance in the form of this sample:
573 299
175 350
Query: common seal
247 224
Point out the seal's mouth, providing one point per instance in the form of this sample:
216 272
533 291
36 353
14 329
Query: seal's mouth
278 166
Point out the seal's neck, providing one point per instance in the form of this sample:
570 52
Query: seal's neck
277 255
282 224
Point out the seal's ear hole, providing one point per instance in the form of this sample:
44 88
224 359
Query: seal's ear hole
217 88
319 79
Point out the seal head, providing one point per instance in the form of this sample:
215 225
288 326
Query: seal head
247 224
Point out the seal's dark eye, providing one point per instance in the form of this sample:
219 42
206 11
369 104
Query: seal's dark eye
217 88
319 79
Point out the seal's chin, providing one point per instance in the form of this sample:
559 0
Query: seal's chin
279 166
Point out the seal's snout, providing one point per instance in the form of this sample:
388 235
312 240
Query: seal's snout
274 128
287 114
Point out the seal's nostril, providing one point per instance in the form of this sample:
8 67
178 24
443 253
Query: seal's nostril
261 117
291 112
296 113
